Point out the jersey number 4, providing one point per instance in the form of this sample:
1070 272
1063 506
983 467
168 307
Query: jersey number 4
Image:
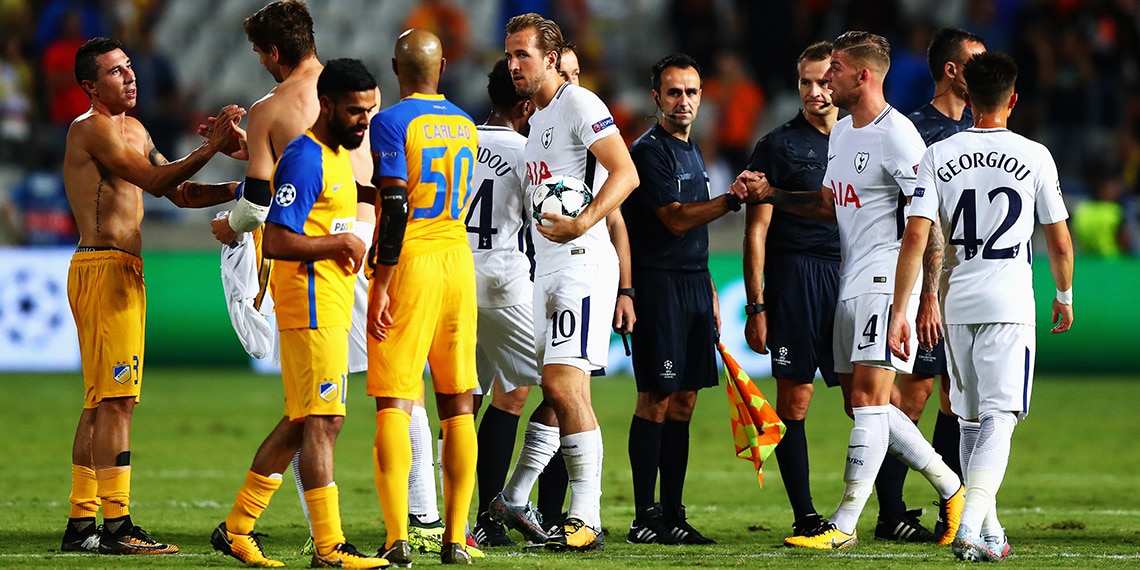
964 223
483 202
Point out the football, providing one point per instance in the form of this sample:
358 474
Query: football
564 195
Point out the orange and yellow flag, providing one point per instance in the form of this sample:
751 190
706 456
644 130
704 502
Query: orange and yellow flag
756 429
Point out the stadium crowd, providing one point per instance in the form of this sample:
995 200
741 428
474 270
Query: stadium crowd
1080 69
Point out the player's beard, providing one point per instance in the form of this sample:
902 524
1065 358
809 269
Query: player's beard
531 84
346 135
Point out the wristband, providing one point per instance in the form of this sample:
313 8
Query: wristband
753 308
628 292
732 202
1065 297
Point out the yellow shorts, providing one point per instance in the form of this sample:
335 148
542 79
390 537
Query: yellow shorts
314 368
434 315
108 300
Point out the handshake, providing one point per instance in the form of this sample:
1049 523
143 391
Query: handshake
751 187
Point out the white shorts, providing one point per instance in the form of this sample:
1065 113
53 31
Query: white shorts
573 311
991 366
505 349
860 335
358 332
255 326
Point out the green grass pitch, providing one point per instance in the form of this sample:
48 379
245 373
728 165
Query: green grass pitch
1071 497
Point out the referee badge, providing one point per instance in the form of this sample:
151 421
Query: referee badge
861 161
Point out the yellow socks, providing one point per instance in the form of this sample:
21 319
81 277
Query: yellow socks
324 507
460 453
84 492
251 502
394 445
113 486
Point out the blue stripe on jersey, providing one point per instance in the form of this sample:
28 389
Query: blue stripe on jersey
311 268
591 171
900 215
585 325
883 115
1025 385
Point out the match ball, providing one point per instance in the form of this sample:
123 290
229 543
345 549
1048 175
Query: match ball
564 195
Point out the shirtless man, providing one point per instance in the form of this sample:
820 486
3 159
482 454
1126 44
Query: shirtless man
281 34
109 161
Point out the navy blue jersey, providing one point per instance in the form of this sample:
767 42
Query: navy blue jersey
670 170
934 126
794 158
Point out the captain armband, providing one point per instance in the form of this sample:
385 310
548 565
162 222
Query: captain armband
253 206
390 226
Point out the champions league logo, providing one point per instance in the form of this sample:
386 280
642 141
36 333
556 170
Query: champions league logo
547 137
36 328
33 309
285 195
861 161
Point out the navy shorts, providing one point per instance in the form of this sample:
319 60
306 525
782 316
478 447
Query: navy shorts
674 339
931 362
800 296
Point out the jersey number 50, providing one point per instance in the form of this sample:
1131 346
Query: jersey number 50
459 181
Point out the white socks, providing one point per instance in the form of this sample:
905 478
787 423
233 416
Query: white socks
865 452
987 467
583 454
422 500
969 438
540 443
907 442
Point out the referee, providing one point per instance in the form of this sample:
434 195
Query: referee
678 319
791 274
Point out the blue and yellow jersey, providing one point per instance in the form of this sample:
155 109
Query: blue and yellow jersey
432 144
314 194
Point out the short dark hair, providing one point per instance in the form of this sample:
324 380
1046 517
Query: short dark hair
678 60
818 51
85 67
868 49
568 46
946 46
343 76
990 78
501 87
285 24
548 36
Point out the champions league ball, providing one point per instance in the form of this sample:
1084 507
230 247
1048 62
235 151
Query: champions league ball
564 195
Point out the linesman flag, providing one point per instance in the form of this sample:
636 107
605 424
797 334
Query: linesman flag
756 429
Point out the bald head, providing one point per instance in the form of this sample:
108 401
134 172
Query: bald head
419 57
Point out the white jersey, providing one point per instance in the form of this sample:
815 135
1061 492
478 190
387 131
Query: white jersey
871 170
495 220
559 142
985 185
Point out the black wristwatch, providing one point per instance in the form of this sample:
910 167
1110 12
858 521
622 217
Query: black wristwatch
732 202
628 292
753 308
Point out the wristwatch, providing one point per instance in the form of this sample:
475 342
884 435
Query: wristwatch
732 202
627 291
753 308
